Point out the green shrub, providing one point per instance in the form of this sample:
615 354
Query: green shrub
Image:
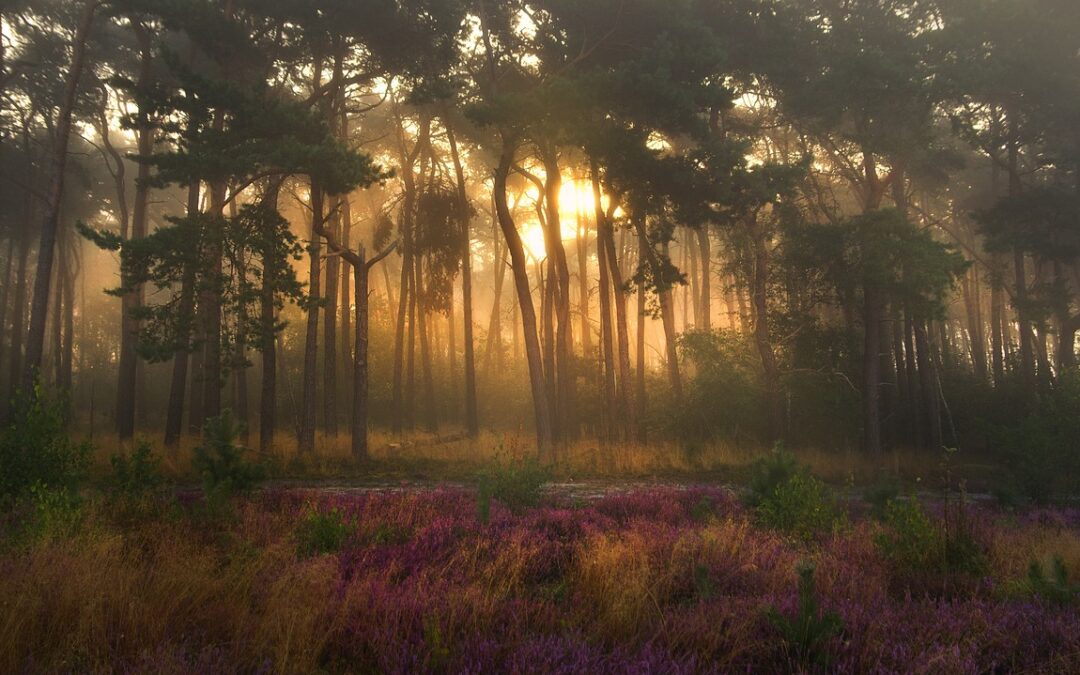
917 545
880 495
35 451
911 541
517 484
56 511
806 635
220 460
801 506
136 475
769 472
1042 448
322 532
1054 588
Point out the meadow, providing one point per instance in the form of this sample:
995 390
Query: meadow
504 574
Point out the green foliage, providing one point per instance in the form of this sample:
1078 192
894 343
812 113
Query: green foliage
1042 448
702 509
704 588
36 452
322 532
769 472
806 636
137 475
912 541
220 460
724 399
1054 588
56 510
879 495
801 506
517 484
915 544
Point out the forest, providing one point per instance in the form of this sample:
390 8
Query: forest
529 336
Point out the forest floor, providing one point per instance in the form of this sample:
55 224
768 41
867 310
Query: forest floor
420 460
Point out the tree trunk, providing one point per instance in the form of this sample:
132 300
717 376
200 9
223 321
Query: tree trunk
705 295
306 438
524 301
493 351
431 413
667 314
360 367
330 331
606 331
970 290
928 385
39 304
126 392
871 370
760 281
640 353
211 302
472 421
175 409
605 238
5 294
583 283
564 353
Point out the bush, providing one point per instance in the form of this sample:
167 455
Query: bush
769 472
220 460
806 636
56 511
135 476
880 495
517 484
912 541
801 506
724 398
1054 588
35 451
917 546
322 532
1042 449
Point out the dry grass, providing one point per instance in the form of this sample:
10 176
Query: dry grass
454 457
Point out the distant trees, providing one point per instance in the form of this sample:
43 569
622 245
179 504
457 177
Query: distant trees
816 177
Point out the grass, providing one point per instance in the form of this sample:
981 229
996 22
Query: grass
660 580
455 458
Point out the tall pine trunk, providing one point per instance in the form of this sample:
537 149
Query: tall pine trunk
309 389
472 422
524 302
39 304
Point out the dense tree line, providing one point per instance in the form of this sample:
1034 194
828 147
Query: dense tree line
804 220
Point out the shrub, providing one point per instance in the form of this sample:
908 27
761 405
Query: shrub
801 506
879 495
806 635
137 475
1055 588
517 484
35 451
1042 449
56 511
220 460
769 472
322 532
917 546
911 541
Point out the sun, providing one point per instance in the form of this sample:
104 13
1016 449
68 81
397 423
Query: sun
576 208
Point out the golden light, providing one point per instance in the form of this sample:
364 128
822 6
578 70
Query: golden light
576 210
